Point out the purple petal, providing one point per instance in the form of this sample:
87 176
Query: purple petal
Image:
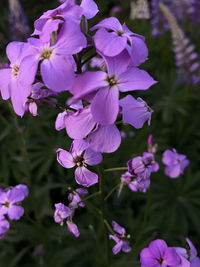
5 76
158 248
168 157
58 68
88 82
147 259
23 188
79 124
118 64
126 247
171 257
72 227
194 263
65 158
19 94
85 177
33 108
15 51
78 146
105 105
15 212
105 139
135 112
116 249
139 51
111 23
173 171
15 195
70 39
118 229
49 27
91 157
90 9
192 247
60 121
109 43
27 70
135 79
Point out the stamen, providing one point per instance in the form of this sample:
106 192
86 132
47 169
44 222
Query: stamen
112 81
46 53
15 70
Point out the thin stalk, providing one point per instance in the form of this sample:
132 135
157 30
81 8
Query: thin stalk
111 191
102 208
88 59
22 146
116 169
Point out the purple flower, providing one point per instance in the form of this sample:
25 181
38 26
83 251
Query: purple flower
75 198
80 155
120 238
112 38
175 163
13 82
135 111
188 256
136 186
120 77
61 213
9 202
159 254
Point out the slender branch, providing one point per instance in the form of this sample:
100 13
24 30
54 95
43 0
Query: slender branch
111 191
116 169
109 227
90 196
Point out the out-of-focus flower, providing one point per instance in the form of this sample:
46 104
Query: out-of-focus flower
9 202
187 62
120 238
19 28
175 163
139 9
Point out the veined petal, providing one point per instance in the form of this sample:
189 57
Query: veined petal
105 105
139 51
88 82
92 157
158 248
57 68
85 177
148 259
109 43
70 39
111 23
15 195
79 124
135 79
65 158
15 51
60 121
78 146
105 139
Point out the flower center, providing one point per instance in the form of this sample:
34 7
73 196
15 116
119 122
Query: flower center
120 33
160 261
7 204
112 81
46 53
80 161
15 70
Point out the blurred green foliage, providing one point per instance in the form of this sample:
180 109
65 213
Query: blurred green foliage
28 155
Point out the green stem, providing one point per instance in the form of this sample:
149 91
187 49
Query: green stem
111 191
90 196
88 59
102 208
22 146
116 169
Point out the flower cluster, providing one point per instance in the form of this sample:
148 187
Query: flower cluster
10 208
159 254
65 213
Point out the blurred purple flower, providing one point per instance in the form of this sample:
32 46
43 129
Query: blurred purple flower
75 198
61 213
4 226
175 163
9 202
120 238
